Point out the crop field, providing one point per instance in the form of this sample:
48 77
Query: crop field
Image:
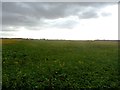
52 64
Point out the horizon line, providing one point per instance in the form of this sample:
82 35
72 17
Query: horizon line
63 39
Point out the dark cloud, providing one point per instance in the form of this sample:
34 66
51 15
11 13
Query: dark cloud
32 14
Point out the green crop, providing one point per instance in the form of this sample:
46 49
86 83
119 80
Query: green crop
45 64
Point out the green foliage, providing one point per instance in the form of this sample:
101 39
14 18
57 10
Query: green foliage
42 64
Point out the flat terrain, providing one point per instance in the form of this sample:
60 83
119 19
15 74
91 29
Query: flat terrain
47 64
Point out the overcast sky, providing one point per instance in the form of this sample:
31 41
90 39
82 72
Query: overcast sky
54 20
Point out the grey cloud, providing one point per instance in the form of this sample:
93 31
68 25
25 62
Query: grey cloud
61 10
87 15
0 15
8 29
60 1
106 14
18 19
6 34
69 24
33 14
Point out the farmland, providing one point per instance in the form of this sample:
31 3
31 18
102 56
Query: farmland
48 64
